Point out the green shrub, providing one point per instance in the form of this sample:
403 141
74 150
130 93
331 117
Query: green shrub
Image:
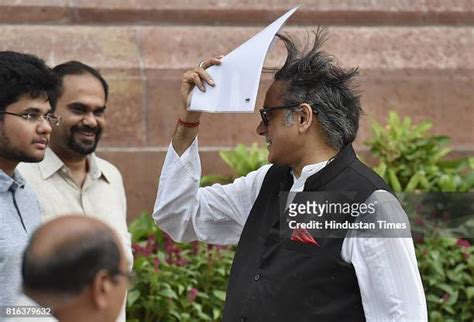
241 160
175 282
447 269
410 158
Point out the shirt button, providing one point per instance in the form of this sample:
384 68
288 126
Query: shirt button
257 277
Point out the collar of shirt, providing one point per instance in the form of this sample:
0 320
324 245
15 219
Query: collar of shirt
308 171
7 182
52 164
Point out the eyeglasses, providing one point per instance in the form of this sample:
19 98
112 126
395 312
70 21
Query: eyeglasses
37 117
264 112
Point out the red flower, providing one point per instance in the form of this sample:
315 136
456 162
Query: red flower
419 239
169 259
182 262
170 246
220 248
463 243
156 264
140 251
151 245
419 221
192 293
195 247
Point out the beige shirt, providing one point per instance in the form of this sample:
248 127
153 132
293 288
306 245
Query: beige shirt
102 195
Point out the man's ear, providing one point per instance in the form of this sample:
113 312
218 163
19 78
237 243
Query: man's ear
305 117
100 289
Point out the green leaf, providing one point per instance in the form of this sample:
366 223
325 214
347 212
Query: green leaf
449 309
244 159
436 316
212 178
471 162
176 314
132 297
453 276
381 169
216 314
394 183
432 298
470 292
424 182
169 293
219 294
445 287
203 295
437 266
421 128
413 182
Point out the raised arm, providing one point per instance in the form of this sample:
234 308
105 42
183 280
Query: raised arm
185 211
187 128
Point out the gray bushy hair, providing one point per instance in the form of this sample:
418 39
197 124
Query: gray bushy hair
313 77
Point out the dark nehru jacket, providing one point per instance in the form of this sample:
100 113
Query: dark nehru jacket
274 278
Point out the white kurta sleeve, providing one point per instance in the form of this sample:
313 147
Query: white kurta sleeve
214 214
386 269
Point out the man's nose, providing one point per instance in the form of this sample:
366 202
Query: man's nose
261 128
44 127
89 120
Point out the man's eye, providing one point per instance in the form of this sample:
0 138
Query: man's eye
32 116
77 110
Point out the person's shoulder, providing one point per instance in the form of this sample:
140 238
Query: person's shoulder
108 168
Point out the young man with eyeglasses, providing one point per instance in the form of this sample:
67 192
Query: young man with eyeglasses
71 178
27 88
76 269
280 273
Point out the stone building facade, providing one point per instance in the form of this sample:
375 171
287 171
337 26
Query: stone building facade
415 57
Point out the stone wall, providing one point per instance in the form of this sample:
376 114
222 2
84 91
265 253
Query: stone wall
415 57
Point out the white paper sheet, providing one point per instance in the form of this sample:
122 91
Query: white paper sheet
238 76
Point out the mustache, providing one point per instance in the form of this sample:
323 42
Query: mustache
87 129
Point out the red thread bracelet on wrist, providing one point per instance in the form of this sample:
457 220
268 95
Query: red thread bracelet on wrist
188 124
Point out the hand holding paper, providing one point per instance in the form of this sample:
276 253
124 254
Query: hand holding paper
197 77
238 78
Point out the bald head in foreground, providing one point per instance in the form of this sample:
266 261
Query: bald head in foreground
76 266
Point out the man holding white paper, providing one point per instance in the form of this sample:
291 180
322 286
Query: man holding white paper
309 121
